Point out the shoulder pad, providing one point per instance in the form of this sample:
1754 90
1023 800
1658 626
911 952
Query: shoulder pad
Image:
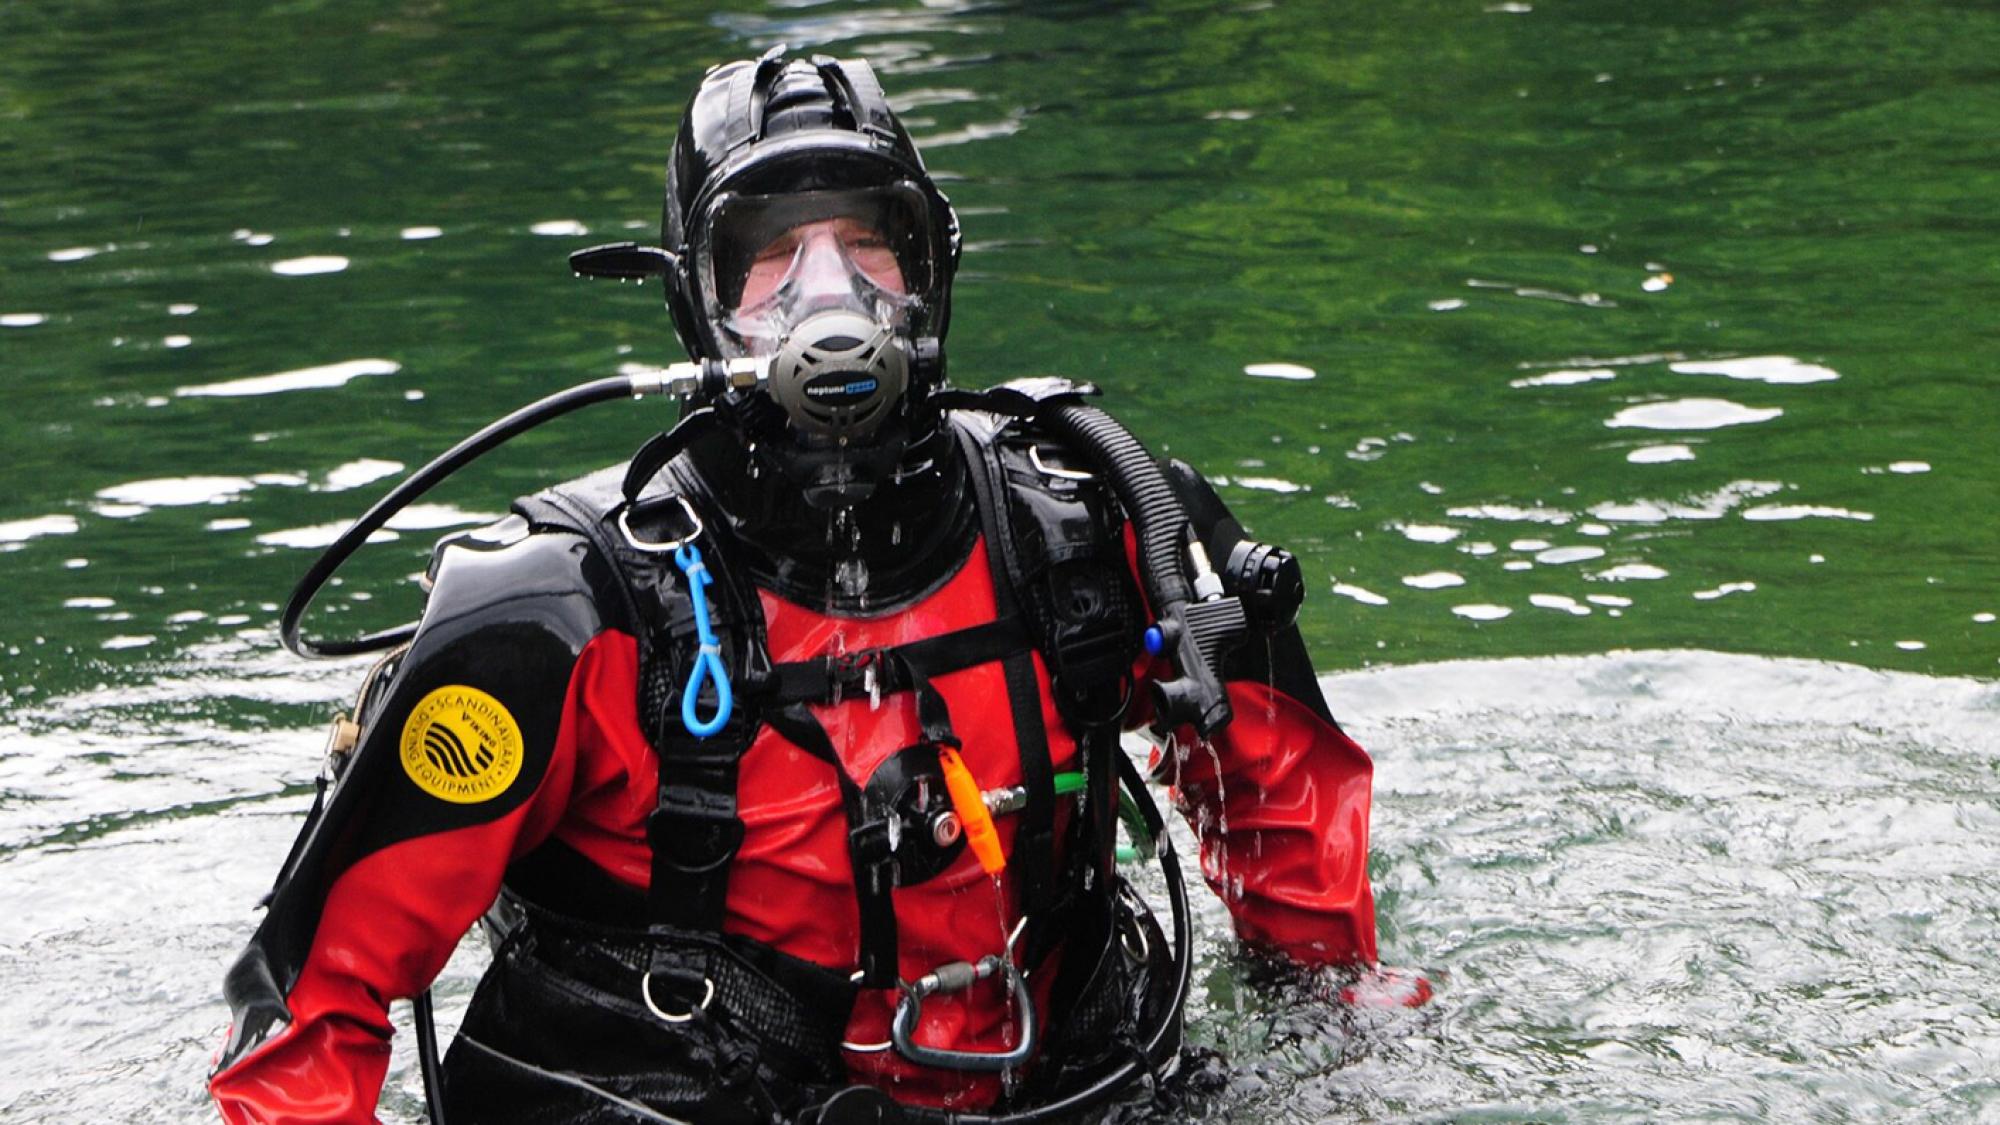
463 733
1018 398
1047 388
574 505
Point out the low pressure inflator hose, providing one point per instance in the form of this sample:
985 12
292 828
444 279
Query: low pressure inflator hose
708 658
680 381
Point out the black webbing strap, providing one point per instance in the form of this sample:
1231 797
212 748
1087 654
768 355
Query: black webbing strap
1033 858
694 830
889 670
867 847
694 833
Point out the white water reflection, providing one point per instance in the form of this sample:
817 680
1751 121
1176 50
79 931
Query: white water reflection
310 265
560 228
1565 378
1291 371
1631 572
1559 601
175 492
1427 532
1781 369
354 474
1435 580
1267 484
1804 512
20 531
1709 506
302 379
1482 611
1659 454
319 535
22 320
1691 414
416 517
430 517
1557 556
1724 590
1511 513
1364 596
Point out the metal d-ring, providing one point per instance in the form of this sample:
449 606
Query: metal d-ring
1130 935
625 526
1056 471
646 994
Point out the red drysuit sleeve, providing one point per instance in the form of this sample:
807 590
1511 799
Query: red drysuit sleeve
390 921
1279 800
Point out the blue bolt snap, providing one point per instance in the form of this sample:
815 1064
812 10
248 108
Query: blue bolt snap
708 661
1156 641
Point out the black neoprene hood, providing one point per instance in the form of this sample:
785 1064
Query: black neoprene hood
775 125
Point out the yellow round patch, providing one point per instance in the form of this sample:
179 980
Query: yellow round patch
460 745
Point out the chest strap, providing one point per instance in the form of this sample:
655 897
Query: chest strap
887 671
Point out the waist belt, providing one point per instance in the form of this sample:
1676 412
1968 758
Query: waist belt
795 1011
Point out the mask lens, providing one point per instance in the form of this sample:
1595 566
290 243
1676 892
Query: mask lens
817 253
769 260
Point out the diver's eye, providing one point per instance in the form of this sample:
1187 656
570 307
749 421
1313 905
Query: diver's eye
767 270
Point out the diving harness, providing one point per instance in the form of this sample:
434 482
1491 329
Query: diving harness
1199 615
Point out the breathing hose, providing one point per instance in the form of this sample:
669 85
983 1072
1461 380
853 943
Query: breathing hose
1155 511
1197 624
400 497
681 380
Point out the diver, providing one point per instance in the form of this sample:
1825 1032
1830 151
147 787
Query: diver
782 762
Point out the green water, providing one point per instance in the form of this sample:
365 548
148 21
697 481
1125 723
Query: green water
1521 261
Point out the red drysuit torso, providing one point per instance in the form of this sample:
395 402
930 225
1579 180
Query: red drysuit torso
1292 790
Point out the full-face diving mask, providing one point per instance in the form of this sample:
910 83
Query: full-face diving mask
833 286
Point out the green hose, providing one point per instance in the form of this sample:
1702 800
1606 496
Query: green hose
1135 825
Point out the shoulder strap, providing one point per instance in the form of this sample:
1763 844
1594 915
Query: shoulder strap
1034 840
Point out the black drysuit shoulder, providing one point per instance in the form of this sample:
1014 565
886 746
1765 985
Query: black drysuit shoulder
458 731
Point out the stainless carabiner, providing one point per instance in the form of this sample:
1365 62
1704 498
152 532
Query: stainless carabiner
956 977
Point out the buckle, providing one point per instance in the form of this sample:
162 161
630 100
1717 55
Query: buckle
864 670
